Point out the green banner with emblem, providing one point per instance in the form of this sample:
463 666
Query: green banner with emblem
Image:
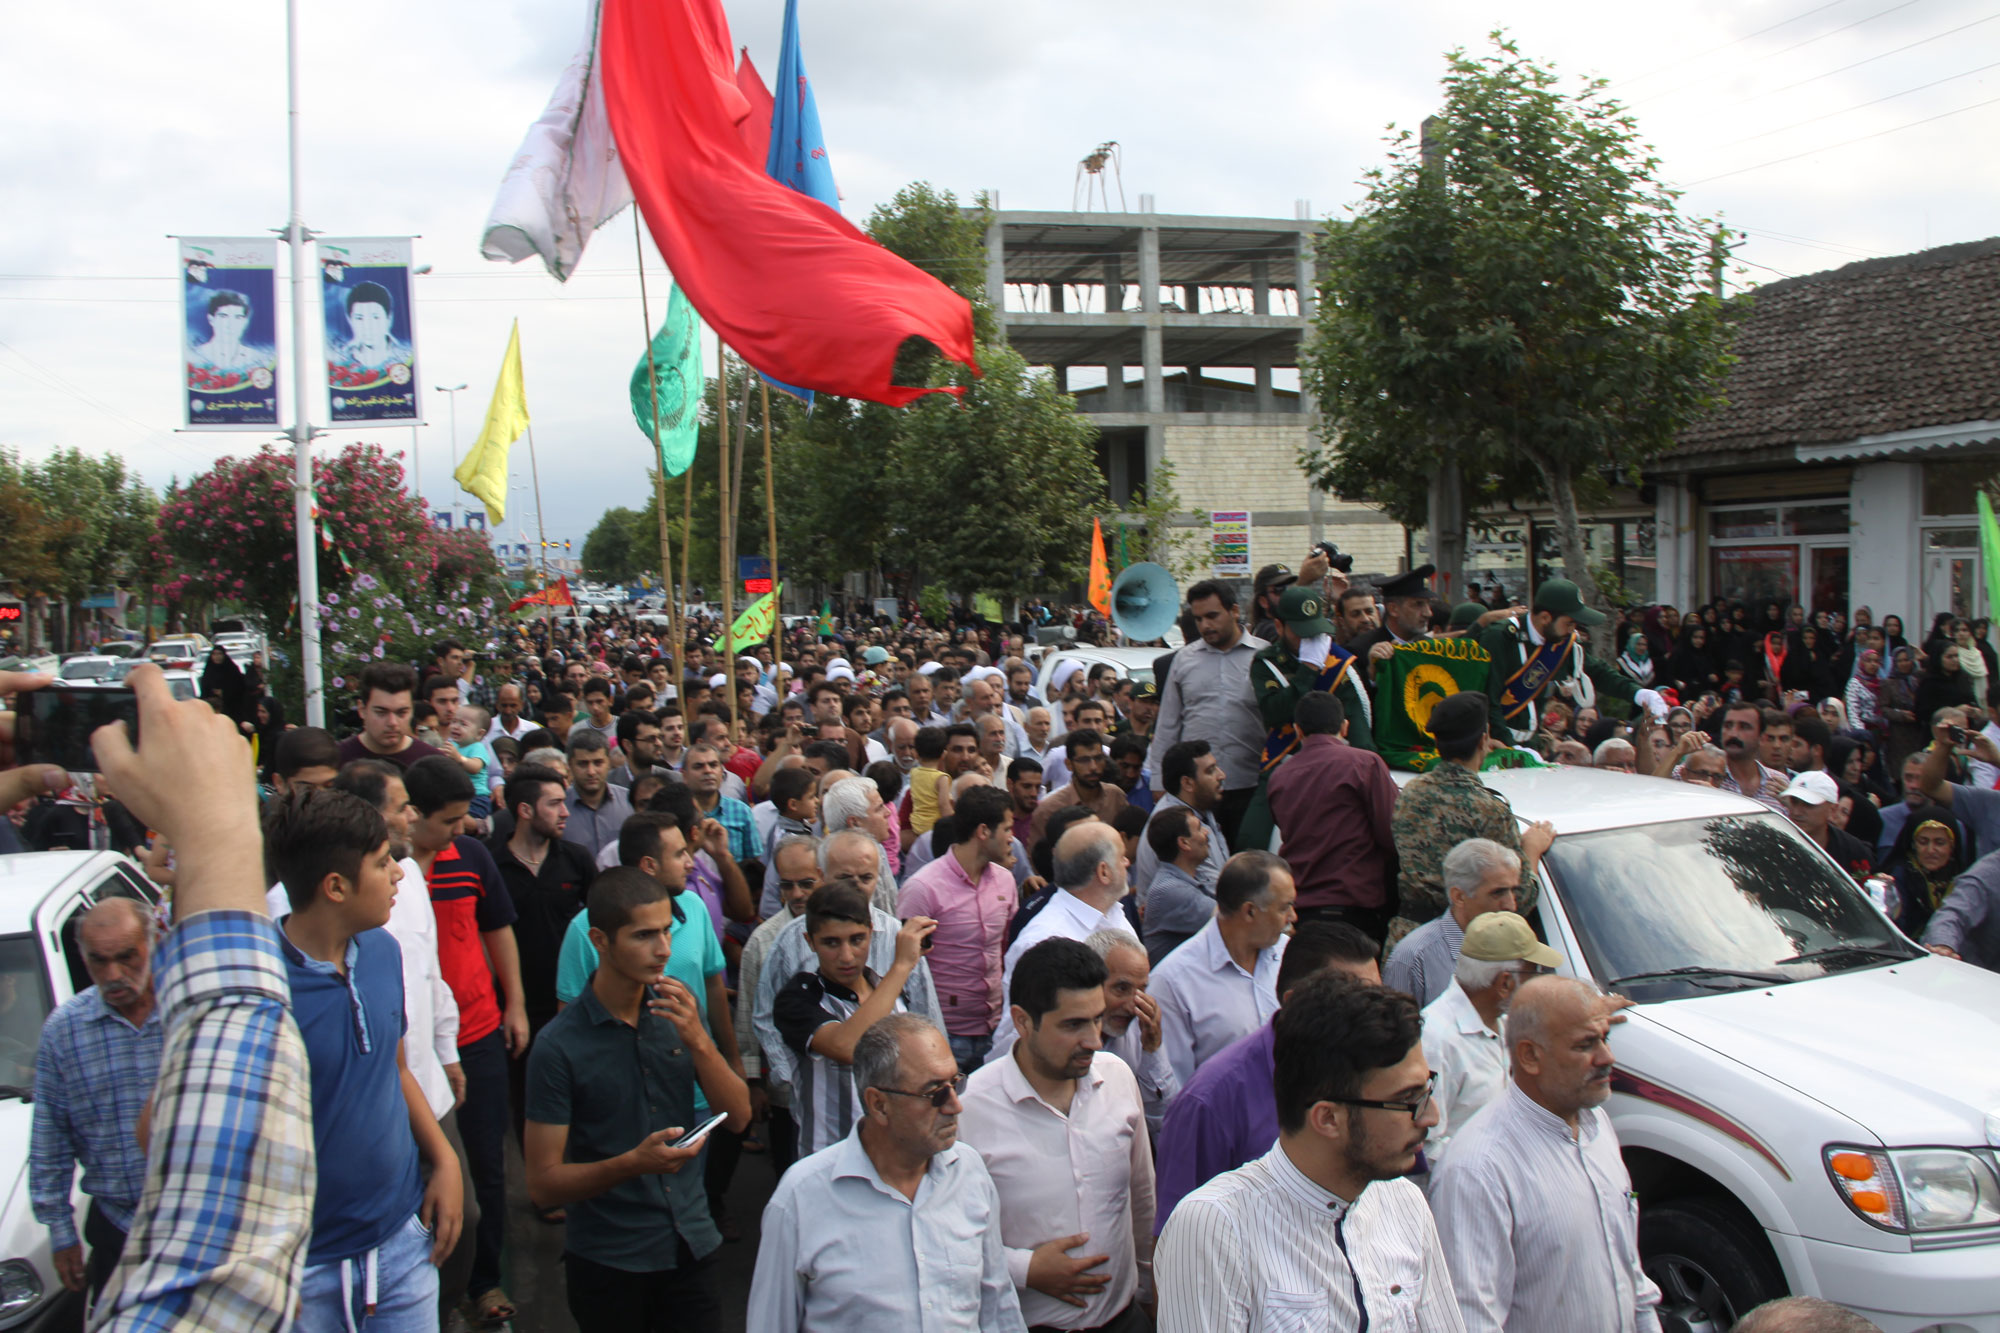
1410 683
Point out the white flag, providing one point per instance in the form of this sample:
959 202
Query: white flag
565 182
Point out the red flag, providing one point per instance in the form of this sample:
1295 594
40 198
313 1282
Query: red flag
558 595
755 127
798 291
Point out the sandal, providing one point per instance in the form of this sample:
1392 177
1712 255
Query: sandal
494 1307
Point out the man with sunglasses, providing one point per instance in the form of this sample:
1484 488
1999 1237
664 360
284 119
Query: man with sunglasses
1462 1039
898 1224
1322 1230
1534 1203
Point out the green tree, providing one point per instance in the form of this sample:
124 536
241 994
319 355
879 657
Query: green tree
1155 537
101 528
1522 298
611 551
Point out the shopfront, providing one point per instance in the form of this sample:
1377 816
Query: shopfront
1794 553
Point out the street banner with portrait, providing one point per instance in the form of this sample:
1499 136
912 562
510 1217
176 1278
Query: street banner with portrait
371 334
229 333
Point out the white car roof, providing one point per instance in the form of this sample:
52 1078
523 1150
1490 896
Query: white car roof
1584 800
27 879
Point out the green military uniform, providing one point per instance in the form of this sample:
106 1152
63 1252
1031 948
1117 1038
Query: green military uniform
1507 642
1278 680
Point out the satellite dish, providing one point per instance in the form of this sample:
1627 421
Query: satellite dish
1145 602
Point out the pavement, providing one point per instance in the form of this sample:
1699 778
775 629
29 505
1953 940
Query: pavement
532 1271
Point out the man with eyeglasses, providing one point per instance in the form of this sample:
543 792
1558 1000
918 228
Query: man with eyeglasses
1462 1041
1708 766
1534 1203
1322 1231
1480 876
795 861
897 1225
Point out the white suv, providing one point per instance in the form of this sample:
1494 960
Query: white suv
1808 1102
41 896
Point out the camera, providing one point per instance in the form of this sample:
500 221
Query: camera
1334 559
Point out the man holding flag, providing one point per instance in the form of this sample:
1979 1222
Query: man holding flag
1543 657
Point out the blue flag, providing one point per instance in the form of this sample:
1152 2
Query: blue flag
798 149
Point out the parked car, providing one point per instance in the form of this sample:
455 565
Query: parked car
1133 663
185 650
41 896
241 646
88 669
1807 1101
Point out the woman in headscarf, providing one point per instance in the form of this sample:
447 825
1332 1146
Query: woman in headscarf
1926 858
1864 691
1857 815
1637 659
1972 661
266 725
1943 684
221 676
1892 634
1691 667
1897 706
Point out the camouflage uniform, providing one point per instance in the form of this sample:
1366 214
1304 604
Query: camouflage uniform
1437 811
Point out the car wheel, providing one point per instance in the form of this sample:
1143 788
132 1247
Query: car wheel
1711 1264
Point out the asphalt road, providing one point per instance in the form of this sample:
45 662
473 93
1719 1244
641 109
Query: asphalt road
533 1268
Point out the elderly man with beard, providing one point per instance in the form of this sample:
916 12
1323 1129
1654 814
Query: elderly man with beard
1534 1204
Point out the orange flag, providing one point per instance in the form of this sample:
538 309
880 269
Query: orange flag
1100 570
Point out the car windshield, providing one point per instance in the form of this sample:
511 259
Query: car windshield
1700 906
86 670
24 1004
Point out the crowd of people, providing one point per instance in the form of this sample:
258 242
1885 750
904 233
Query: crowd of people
1056 1000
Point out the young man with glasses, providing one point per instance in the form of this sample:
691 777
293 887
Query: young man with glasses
898 1224
1323 1228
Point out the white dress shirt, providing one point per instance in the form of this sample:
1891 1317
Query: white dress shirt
1262 1249
1542 1229
1107 1192
1470 1062
1207 1000
430 1014
842 1252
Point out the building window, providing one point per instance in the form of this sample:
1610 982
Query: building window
1951 488
1752 560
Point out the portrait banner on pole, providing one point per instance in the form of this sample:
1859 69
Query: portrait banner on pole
371 334
229 333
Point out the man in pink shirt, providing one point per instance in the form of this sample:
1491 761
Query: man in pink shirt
969 892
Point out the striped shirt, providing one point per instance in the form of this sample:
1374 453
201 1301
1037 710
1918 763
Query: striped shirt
1542 1228
1771 785
735 817
790 954
828 1106
1264 1248
1424 959
93 1073
219 1238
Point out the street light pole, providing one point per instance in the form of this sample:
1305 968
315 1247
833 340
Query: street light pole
303 519
452 395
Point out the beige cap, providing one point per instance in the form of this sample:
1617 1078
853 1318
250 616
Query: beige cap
1506 937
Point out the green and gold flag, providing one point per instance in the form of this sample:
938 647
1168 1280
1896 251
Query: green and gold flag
758 618
1410 684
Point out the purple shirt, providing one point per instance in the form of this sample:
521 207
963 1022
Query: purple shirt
1227 1115
971 938
1334 804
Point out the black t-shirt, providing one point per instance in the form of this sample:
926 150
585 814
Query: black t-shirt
352 749
544 902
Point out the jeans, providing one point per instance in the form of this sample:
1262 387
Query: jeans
682 1299
482 1124
406 1289
970 1052
456 1271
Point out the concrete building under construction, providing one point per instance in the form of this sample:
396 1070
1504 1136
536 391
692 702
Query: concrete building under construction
1180 337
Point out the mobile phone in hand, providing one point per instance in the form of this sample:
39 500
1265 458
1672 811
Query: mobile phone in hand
53 725
698 1133
1958 735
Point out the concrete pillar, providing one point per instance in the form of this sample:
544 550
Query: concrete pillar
1884 558
1114 284
1117 475
1260 287
1114 386
1305 267
1061 375
1056 298
1152 340
996 266
1267 401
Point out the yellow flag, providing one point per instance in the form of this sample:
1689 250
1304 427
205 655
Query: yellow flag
483 473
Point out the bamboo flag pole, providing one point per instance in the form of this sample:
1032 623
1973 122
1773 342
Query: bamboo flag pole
541 533
722 532
659 460
771 540
687 545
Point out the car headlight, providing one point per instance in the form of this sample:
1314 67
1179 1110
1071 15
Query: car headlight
20 1287
1917 1189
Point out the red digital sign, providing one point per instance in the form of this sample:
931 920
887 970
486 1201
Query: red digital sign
9 613
756 587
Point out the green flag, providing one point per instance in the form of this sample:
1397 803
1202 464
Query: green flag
826 619
1989 552
676 362
757 619
1408 685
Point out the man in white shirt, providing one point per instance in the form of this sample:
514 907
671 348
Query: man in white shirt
1479 876
1322 1232
509 701
1079 1242
1534 1204
897 1225
1090 874
1223 983
1462 1038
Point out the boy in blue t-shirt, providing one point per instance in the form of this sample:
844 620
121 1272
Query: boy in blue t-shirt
379 1230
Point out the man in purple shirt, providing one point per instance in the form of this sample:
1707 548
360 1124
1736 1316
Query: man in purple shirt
1228 1114
970 893
1333 803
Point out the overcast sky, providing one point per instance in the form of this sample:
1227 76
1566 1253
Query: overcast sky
124 123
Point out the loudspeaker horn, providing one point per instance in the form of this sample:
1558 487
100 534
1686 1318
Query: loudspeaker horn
1145 602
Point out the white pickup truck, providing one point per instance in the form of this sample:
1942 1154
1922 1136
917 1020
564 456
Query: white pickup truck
1808 1102
41 895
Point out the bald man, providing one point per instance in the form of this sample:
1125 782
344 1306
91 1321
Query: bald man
98 1059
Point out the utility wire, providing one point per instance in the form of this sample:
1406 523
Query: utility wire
1873 101
1734 41
1845 143
1787 50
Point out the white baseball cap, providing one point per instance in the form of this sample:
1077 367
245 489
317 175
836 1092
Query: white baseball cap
1814 788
